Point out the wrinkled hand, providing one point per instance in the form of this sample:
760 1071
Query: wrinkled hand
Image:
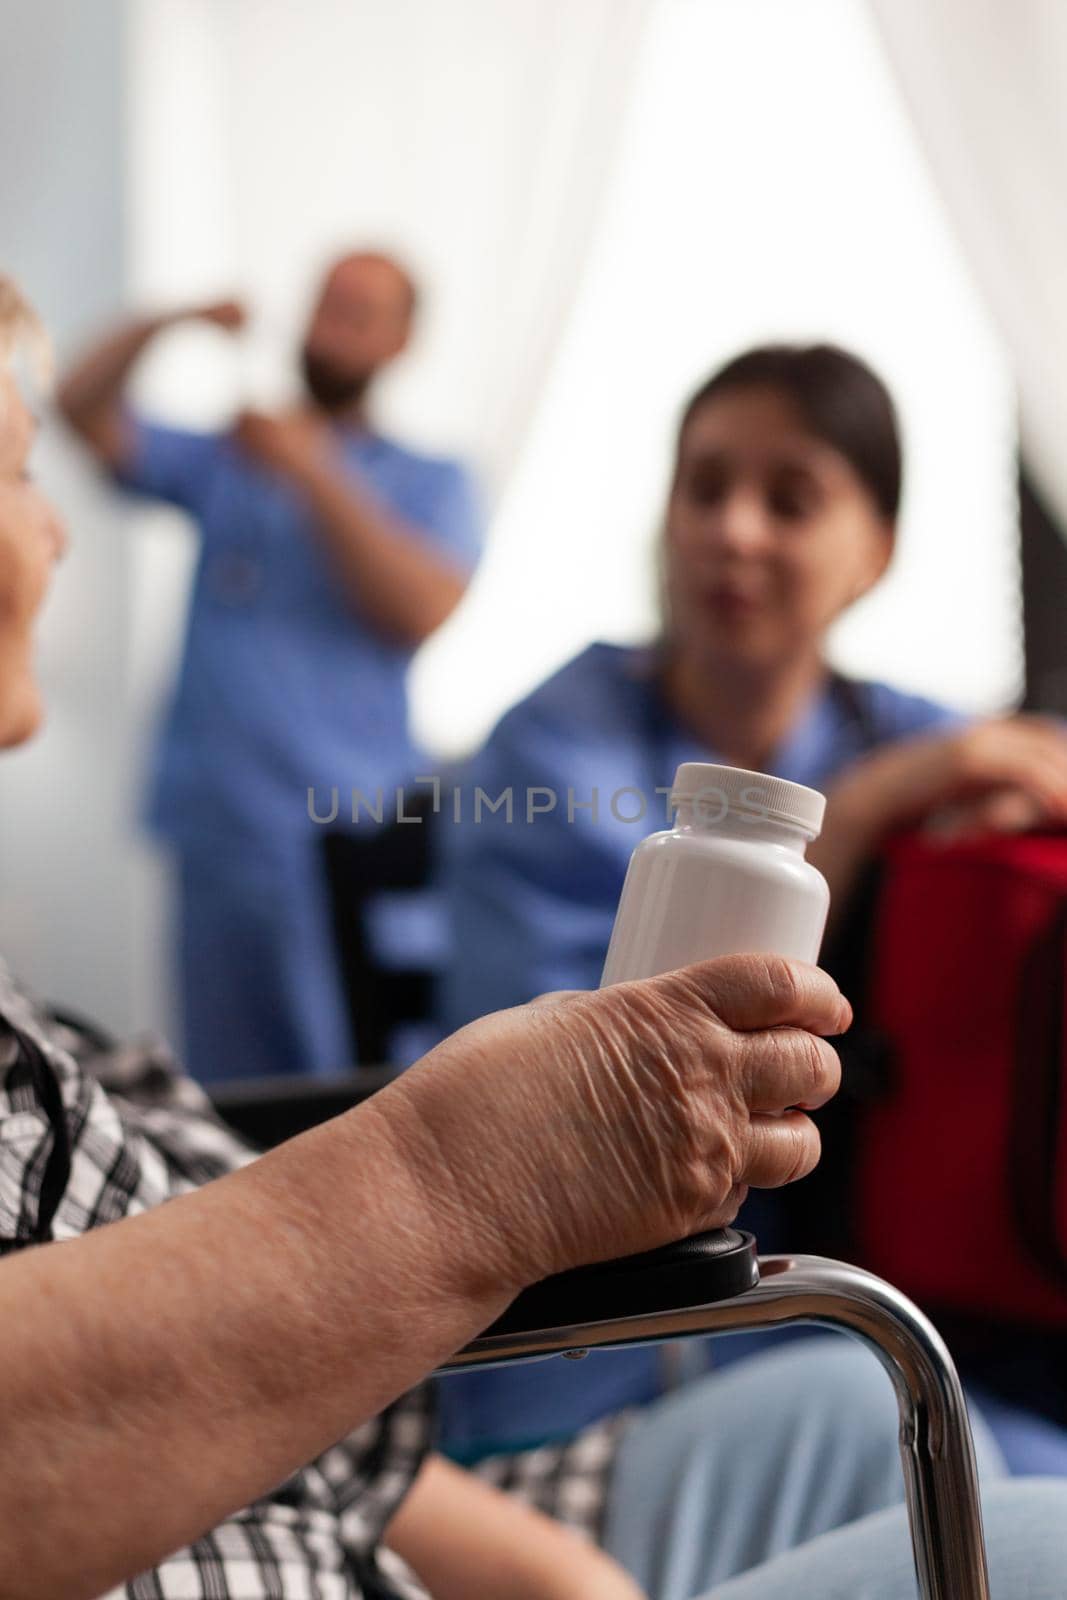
294 444
592 1125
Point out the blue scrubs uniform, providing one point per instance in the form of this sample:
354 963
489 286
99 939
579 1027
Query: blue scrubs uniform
533 902
283 688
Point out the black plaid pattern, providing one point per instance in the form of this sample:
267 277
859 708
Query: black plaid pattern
137 1132
89 1134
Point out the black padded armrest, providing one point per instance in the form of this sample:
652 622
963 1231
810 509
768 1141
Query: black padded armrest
267 1111
697 1271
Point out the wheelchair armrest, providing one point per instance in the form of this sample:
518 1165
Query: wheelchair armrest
699 1271
267 1111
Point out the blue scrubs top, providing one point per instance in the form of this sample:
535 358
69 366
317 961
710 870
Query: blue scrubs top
283 686
532 906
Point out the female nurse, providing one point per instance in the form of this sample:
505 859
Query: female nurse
781 514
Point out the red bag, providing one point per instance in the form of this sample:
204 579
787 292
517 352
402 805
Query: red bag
961 1173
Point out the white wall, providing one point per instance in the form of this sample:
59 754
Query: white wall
75 891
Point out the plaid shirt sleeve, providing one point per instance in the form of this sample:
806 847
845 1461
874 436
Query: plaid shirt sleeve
90 1134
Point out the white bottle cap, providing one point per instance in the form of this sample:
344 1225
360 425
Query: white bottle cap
719 791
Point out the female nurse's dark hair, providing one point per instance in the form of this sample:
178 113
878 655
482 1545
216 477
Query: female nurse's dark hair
838 398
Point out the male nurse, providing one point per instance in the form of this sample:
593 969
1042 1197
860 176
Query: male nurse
327 553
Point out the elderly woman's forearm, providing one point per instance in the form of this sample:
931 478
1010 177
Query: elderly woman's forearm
163 1372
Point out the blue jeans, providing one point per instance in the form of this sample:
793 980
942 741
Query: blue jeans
780 1479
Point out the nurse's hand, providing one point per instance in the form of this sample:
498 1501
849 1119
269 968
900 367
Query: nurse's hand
593 1125
293 444
1001 774
229 315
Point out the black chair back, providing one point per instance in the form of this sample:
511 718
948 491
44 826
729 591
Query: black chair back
363 864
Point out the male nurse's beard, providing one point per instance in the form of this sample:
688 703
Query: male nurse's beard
331 387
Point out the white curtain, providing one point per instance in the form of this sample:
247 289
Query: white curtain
985 81
475 138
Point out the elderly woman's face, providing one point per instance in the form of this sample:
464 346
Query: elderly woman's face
770 532
31 541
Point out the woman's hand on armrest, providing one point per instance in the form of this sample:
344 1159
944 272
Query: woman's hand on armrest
163 1371
593 1125
1002 773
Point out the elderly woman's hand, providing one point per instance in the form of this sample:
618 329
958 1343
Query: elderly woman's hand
593 1125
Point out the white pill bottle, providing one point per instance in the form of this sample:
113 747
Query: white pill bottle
730 876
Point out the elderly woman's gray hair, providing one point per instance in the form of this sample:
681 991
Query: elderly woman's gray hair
22 332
